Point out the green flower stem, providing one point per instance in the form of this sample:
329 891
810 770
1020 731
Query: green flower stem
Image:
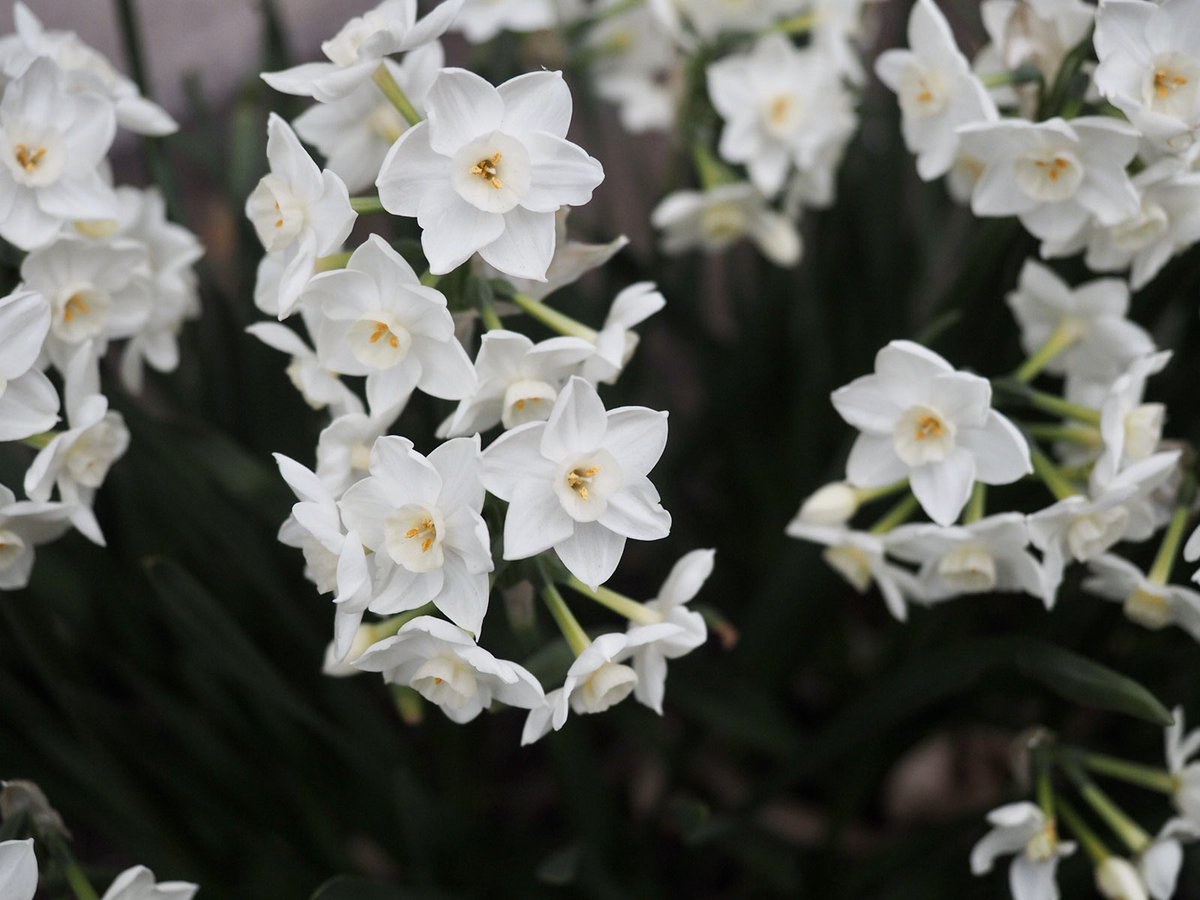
1149 777
1091 842
897 515
385 628
618 603
564 618
977 506
1086 435
1060 407
367 206
869 495
1131 834
1050 474
712 172
553 319
40 441
334 261
80 886
1064 336
801 24
430 280
1160 571
491 319
396 95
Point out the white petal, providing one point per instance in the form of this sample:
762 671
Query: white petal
462 106
592 553
636 437
525 247
577 423
537 101
943 488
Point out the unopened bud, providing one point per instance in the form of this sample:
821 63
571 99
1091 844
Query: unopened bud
834 504
1117 879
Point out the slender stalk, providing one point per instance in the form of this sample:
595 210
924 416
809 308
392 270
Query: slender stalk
897 515
801 24
553 319
491 319
1054 479
430 280
868 495
567 623
383 78
1091 842
618 603
385 628
1160 571
977 506
1064 336
1131 834
1149 777
366 206
712 172
334 261
1086 435
40 441
1060 407
80 886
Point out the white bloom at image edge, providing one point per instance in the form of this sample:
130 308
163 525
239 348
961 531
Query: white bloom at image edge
488 170
18 870
1023 830
138 884
577 482
922 420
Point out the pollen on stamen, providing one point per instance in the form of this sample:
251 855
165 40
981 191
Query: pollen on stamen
380 330
1165 82
929 427
577 480
29 161
486 169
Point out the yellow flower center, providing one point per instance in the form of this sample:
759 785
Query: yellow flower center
76 305
428 529
27 160
1054 168
486 169
929 427
579 480
1167 82
382 331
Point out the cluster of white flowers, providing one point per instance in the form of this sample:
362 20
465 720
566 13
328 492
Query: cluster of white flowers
19 878
401 536
101 264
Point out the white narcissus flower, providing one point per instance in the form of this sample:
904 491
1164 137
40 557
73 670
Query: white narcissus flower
1054 175
445 666
28 401
1132 430
357 50
1117 879
937 91
596 681
355 132
421 517
616 341
138 884
319 387
344 446
578 482
1023 830
87 70
650 657
23 526
782 107
482 20
832 504
637 66
711 18
52 142
1159 864
488 170
717 218
298 211
988 555
519 381
922 420
378 320
859 557
1149 604
1180 748
1150 67
18 870
77 460
1106 341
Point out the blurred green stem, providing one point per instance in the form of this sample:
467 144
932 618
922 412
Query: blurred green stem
80 886
1091 842
396 94
553 319
366 206
567 623
1149 777
1086 435
1131 834
1064 336
40 441
618 603
977 506
897 515
801 24
1046 470
1160 571
868 495
334 261
711 171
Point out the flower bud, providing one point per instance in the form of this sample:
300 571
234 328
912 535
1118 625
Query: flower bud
1117 879
363 638
607 686
834 504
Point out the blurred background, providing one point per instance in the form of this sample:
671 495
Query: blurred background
166 692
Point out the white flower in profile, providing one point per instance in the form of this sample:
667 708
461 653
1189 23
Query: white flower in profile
488 170
597 680
1146 602
837 32
937 91
18 870
782 107
1132 430
1117 879
1159 864
355 132
616 341
23 526
52 142
1022 829
650 657
77 460
519 381
922 420
578 482
445 666
1054 175
358 49
344 446
138 884
319 387
378 320
28 401
1180 749
860 558
1083 527
1165 224
984 556
421 517
87 70
831 504
1150 67
1105 343
297 211
482 20
715 219
637 66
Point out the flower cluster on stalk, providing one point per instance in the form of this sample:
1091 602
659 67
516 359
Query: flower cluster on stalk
96 267
535 480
